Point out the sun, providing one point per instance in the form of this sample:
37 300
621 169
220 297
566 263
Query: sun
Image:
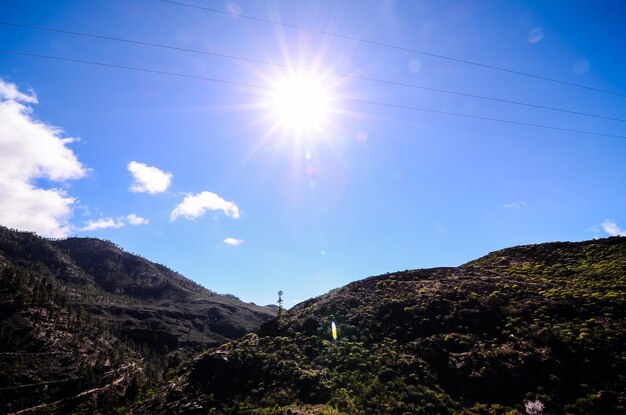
300 102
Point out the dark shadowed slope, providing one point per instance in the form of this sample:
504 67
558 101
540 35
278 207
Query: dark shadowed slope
76 313
159 298
143 298
542 322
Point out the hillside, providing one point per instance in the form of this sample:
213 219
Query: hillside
81 314
532 323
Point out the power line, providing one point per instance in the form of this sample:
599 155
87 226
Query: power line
132 68
396 47
332 73
361 101
479 117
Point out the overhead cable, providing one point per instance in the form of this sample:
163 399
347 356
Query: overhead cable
266 87
396 47
332 73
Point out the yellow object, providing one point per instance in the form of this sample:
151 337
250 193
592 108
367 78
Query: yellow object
333 328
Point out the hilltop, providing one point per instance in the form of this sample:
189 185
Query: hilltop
539 322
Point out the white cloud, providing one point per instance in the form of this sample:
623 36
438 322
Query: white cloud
148 179
9 91
31 149
515 205
612 228
233 241
108 223
26 207
98 224
194 206
136 220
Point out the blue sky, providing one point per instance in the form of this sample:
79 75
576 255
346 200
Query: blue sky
213 181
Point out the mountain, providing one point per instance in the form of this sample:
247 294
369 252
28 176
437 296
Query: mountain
81 314
537 329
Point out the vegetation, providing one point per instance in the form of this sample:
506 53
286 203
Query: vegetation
87 327
533 329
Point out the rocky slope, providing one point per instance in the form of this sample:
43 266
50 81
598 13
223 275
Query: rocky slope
81 314
533 323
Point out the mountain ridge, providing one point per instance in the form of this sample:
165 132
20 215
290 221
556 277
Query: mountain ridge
107 271
89 328
74 310
537 322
